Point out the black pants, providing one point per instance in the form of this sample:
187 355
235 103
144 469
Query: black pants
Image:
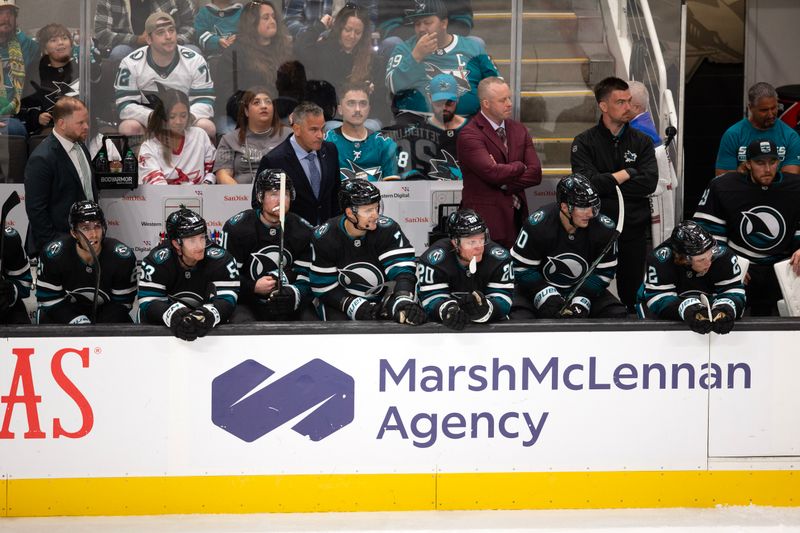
603 306
632 253
17 314
109 313
762 291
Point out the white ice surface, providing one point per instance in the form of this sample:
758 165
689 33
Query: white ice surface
722 519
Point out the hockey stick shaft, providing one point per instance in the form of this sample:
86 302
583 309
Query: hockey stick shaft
11 202
96 260
606 248
282 218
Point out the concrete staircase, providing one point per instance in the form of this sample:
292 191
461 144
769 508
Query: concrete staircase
563 55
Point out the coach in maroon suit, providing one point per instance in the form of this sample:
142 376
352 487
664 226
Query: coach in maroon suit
498 163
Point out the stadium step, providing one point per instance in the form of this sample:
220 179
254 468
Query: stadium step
564 54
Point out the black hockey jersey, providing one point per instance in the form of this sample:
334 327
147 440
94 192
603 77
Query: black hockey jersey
760 223
668 287
344 266
16 266
213 283
548 259
425 152
442 278
256 247
65 284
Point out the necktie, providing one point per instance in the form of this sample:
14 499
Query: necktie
501 132
313 173
85 172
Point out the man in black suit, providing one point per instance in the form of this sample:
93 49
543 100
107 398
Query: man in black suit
312 163
58 174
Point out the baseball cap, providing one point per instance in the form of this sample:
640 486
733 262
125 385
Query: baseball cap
157 20
443 87
762 149
9 3
426 8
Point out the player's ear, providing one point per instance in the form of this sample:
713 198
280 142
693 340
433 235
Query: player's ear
603 106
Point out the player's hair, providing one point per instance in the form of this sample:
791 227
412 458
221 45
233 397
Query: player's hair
760 90
304 109
608 85
65 107
242 119
483 86
358 86
263 60
362 52
640 96
157 124
50 31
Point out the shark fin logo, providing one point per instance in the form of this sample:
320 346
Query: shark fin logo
762 228
564 270
445 169
361 279
364 173
266 260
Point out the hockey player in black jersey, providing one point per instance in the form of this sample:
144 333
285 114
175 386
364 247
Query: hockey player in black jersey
686 266
253 237
758 216
554 250
67 274
453 289
188 283
358 255
15 283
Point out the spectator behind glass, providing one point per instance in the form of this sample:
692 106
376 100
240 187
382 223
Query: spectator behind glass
216 24
343 56
258 130
291 84
300 15
174 152
17 53
55 76
261 47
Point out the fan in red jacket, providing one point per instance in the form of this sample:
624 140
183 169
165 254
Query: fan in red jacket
498 163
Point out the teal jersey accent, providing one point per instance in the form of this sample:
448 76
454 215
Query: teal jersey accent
374 158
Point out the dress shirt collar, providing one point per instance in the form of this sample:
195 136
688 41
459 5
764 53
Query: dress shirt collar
66 143
492 122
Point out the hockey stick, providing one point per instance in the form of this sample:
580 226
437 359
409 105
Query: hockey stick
96 295
606 248
282 218
11 202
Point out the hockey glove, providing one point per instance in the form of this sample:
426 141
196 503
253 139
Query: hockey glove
406 311
477 307
578 308
548 303
80 319
453 317
358 308
8 294
724 313
182 325
695 315
283 303
204 320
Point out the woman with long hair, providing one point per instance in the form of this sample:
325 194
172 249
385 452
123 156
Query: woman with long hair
174 151
344 56
258 130
261 46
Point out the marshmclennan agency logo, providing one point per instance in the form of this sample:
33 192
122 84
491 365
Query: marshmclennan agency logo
243 406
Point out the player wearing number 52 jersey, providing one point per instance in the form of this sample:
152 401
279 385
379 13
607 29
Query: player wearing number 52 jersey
449 291
553 253
358 255
186 283
685 266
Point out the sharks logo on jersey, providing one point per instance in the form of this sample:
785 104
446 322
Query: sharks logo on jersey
189 297
266 260
762 227
435 256
461 74
445 169
355 171
564 270
362 279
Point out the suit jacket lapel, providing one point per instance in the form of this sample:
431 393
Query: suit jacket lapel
66 161
295 168
488 130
